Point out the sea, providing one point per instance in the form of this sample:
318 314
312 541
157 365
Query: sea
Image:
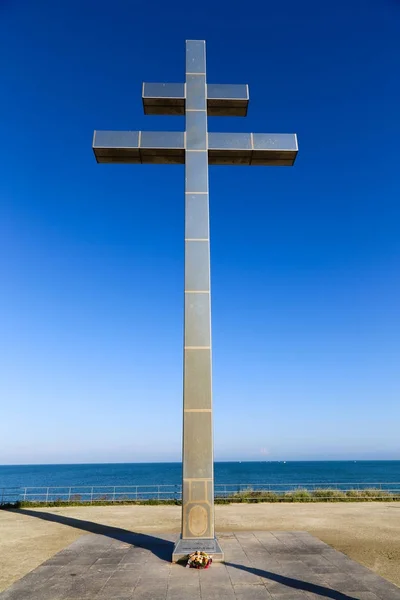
310 473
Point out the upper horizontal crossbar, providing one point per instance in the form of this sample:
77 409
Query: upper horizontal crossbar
170 99
169 147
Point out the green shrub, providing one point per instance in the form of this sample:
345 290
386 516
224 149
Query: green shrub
244 496
328 495
376 494
300 495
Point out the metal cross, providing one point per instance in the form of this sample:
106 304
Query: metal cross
196 148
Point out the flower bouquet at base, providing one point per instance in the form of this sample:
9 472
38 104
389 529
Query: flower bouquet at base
199 560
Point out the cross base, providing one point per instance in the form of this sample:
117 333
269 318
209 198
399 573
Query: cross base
184 547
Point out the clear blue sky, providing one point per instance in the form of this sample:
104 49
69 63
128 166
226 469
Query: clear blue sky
305 260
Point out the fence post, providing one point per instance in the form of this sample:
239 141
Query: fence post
136 493
91 496
113 498
47 495
158 493
69 495
24 498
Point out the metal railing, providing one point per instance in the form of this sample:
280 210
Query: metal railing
229 491
90 494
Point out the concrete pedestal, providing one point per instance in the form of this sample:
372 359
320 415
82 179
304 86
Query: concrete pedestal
185 547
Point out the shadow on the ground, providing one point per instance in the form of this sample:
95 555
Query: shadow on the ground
294 583
158 546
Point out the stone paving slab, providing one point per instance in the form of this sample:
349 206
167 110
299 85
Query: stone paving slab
273 565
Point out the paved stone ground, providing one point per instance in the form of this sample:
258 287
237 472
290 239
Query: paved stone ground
258 565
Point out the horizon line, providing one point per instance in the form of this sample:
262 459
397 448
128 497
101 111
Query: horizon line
180 462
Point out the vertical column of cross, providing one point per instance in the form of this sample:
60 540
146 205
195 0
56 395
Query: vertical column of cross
198 488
